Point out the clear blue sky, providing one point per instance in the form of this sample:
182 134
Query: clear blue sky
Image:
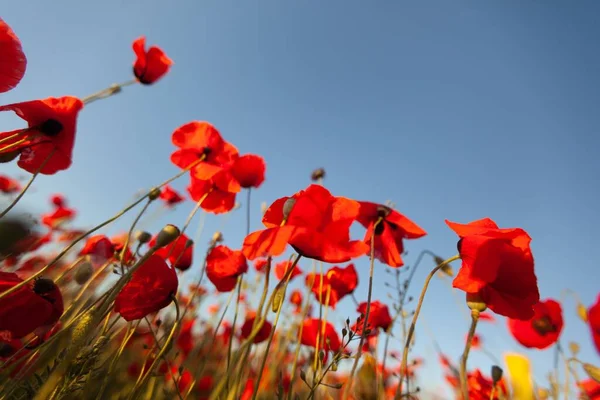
452 109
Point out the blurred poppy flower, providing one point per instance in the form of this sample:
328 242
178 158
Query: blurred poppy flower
214 199
475 341
170 196
260 264
51 131
339 282
389 233
99 248
480 387
185 340
150 65
312 328
179 254
150 289
594 322
9 185
61 214
263 333
31 265
590 389
223 266
296 299
497 265
12 59
249 170
32 308
315 223
118 243
486 316
202 141
379 317
283 267
543 329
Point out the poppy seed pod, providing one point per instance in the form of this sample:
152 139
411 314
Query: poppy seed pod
288 206
475 302
84 272
317 174
166 236
574 348
143 237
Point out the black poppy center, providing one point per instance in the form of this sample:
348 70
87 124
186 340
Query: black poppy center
543 325
380 227
42 286
6 349
383 211
51 127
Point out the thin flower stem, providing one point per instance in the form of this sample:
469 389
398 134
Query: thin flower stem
109 91
402 300
22 192
270 340
321 278
348 384
567 369
160 354
255 330
128 239
463 359
413 323
84 235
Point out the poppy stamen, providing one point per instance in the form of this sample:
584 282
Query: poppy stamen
51 127
543 325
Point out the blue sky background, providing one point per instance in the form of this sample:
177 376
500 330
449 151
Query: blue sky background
451 109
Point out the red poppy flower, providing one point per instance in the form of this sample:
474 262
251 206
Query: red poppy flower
389 233
475 341
541 331
214 199
249 170
179 254
260 265
315 223
283 267
497 265
590 388
263 333
379 317
7 184
32 242
170 196
296 299
185 340
223 266
61 215
594 322
310 330
150 65
12 60
201 140
99 248
31 265
150 289
41 303
52 123
480 387
339 282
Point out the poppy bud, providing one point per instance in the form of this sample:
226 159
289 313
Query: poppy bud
167 235
574 347
288 206
153 194
476 303
278 299
303 375
438 260
334 367
143 236
496 373
318 174
84 272
263 207
582 312
592 371
217 237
